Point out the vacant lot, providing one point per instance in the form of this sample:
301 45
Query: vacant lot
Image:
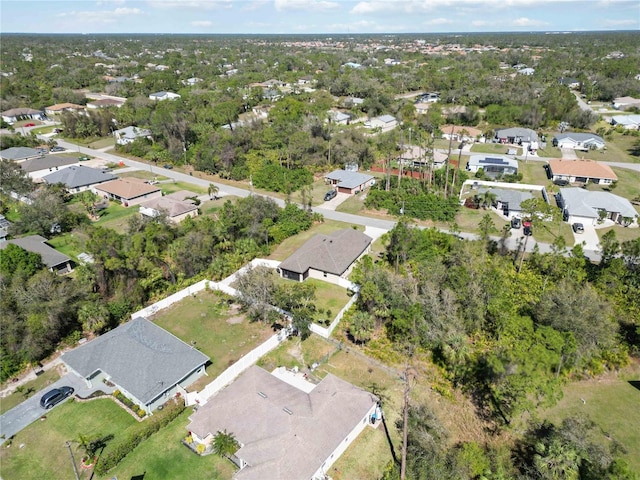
116 217
612 403
328 296
492 148
216 328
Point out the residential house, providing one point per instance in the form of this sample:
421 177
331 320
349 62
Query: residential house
38 168
572 83
159 96
417 156
429 97
626 103
338 117
508 200
286 430
306 80
578 141
349 182
128 191
353 65
78 178
128 135
421 107
147 364
104 103
526 71
176 206
516 135
326 256
493 166
459 133
190 82
51 258
581 171
16 114
384 122
20 154
629 122
351 102
583 206
60 108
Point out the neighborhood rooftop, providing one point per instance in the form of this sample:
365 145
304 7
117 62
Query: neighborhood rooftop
127 188
585 203
285 433
19 153
47 162
139 356
349 179
582 168
332 253
78 176
36 244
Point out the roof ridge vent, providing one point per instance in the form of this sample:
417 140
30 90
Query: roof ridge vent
262 394
286 410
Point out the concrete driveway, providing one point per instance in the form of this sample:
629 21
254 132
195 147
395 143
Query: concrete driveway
589 238
334 202
30 410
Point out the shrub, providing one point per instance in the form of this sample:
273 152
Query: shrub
201 448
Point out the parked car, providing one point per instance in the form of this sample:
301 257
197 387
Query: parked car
55 396
57 148
515 222
329 195
561 183
526 228
578 227
168 166
29 124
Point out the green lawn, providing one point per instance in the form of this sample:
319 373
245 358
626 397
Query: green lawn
617 149
44 454
534 173
219 331
622 234
628 185
143 174
328 295
34 386
353 205
612 403
492 148
116 216
163 457
176 186
67 243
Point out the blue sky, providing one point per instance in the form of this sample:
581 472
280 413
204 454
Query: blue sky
315 16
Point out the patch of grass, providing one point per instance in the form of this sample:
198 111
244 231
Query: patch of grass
534 173
163 456
102 143
116 216
43 130
143 174
622 234
66 243
291 244
492 148
328 295
628 185
45 455
354 205
612 403
31 387
220 332
295 352
176 186
617 149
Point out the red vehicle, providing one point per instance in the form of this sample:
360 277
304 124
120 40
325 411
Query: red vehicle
526 228
29 124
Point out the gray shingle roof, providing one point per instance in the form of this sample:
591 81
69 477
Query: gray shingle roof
513 197
35 243
583 203
579 137
328 253
277 444
139 356
349 179
526 134
47 161
78 176
19 153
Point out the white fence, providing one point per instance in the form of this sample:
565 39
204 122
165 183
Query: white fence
229 375
171 299
513 186
326 332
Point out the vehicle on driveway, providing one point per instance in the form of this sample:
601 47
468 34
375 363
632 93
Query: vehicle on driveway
330 195
515 222
55 396
29 124
578 227
526 228
57 148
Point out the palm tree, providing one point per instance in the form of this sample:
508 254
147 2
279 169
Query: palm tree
225 444
213 190
488 198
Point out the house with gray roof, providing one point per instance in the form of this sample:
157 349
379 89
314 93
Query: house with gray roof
159 96
128 135
44 165
583 206
19 154
146 363
516 135
324 256
349 182
15 114
384 122
628 122
78 178
51 258
492 165
508 200
578 141
285 432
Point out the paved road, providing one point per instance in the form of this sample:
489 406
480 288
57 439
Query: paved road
512 243
29 411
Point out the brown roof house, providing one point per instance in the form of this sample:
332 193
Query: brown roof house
63 107
325 256
581 171
285 432
128 191
177 206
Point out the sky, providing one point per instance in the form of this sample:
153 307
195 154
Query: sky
315 16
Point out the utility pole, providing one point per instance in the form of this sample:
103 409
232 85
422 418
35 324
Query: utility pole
405 423
73 460
446 175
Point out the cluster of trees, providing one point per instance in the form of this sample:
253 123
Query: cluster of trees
508 334
149 260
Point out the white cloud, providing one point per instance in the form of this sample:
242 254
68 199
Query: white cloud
528 22
100 3
202 23
191 4
438 21
416 6
99 16
254 5
306 5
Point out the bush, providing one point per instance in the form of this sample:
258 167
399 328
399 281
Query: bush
121 450
201 448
